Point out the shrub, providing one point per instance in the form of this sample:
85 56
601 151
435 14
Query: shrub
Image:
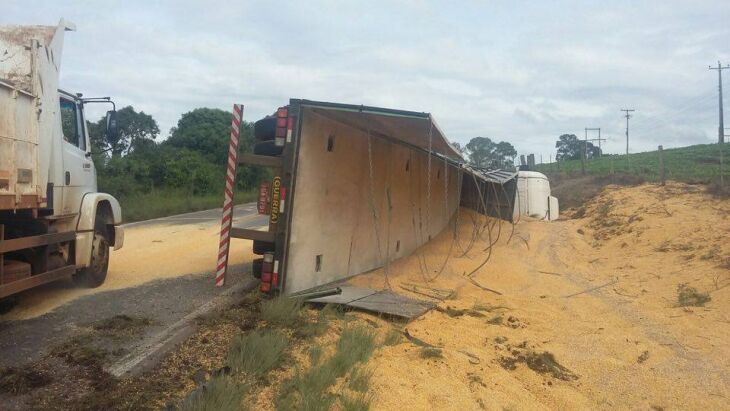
256 353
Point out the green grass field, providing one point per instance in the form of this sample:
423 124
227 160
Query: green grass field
169 202
693 164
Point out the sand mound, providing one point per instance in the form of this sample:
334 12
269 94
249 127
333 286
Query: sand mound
580 313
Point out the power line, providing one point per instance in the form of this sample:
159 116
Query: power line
721 126
628 116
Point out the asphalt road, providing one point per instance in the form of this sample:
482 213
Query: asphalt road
133 287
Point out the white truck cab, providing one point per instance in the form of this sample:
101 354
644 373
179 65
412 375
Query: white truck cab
53 222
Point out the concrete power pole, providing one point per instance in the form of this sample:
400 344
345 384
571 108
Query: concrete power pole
628 116
721 128
599 139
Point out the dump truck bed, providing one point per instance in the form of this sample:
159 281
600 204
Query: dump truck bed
30 57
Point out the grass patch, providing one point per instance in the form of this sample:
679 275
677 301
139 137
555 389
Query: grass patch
257 352
360 379
309 390
165 203
689 297
392 337
693 164
78 351
281 312
121 325
319 326
219 394
430 352
356 402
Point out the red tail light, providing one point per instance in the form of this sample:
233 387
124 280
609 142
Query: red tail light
281 125
269 279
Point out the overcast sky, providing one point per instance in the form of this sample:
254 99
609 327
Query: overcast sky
508 70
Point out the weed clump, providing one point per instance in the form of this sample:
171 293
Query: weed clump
256 353
78 351
689 296
392 337
430 352
19 381
219 394
281 312
308 390
360 379
356 402
121 325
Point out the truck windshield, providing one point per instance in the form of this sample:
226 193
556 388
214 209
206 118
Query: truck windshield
70 123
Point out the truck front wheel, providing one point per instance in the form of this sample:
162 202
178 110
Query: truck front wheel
95 274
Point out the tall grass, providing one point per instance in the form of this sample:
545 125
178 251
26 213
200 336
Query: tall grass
219 394
281 311
257 352
145 206
309 390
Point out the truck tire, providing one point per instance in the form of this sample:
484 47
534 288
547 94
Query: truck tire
257 267
95 274
261 247
265 129
267 148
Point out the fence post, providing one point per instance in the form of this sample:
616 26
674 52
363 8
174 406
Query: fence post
722 178
662 174
227 219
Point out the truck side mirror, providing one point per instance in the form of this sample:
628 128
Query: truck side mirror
112 130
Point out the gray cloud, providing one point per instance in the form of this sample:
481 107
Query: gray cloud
509 71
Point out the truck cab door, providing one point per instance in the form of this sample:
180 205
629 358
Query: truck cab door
79 175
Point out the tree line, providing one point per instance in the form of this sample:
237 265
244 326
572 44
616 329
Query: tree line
191 160
483 152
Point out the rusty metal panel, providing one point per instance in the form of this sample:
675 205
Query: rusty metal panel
36 280
383 301
29 68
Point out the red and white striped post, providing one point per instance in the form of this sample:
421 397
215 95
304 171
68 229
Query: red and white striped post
227 219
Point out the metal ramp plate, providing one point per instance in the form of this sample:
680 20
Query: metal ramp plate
385 302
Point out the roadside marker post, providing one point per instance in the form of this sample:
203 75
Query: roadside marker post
227 219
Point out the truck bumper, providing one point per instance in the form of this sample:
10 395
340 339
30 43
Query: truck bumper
118 237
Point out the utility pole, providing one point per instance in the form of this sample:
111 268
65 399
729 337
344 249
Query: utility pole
628 116
599 139
721 128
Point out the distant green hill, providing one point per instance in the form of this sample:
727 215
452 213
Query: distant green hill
693 164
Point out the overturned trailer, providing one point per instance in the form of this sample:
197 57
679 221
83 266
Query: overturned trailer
355 187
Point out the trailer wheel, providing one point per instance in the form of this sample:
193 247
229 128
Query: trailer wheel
261 247
265 129
95 274
257 267
267 148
